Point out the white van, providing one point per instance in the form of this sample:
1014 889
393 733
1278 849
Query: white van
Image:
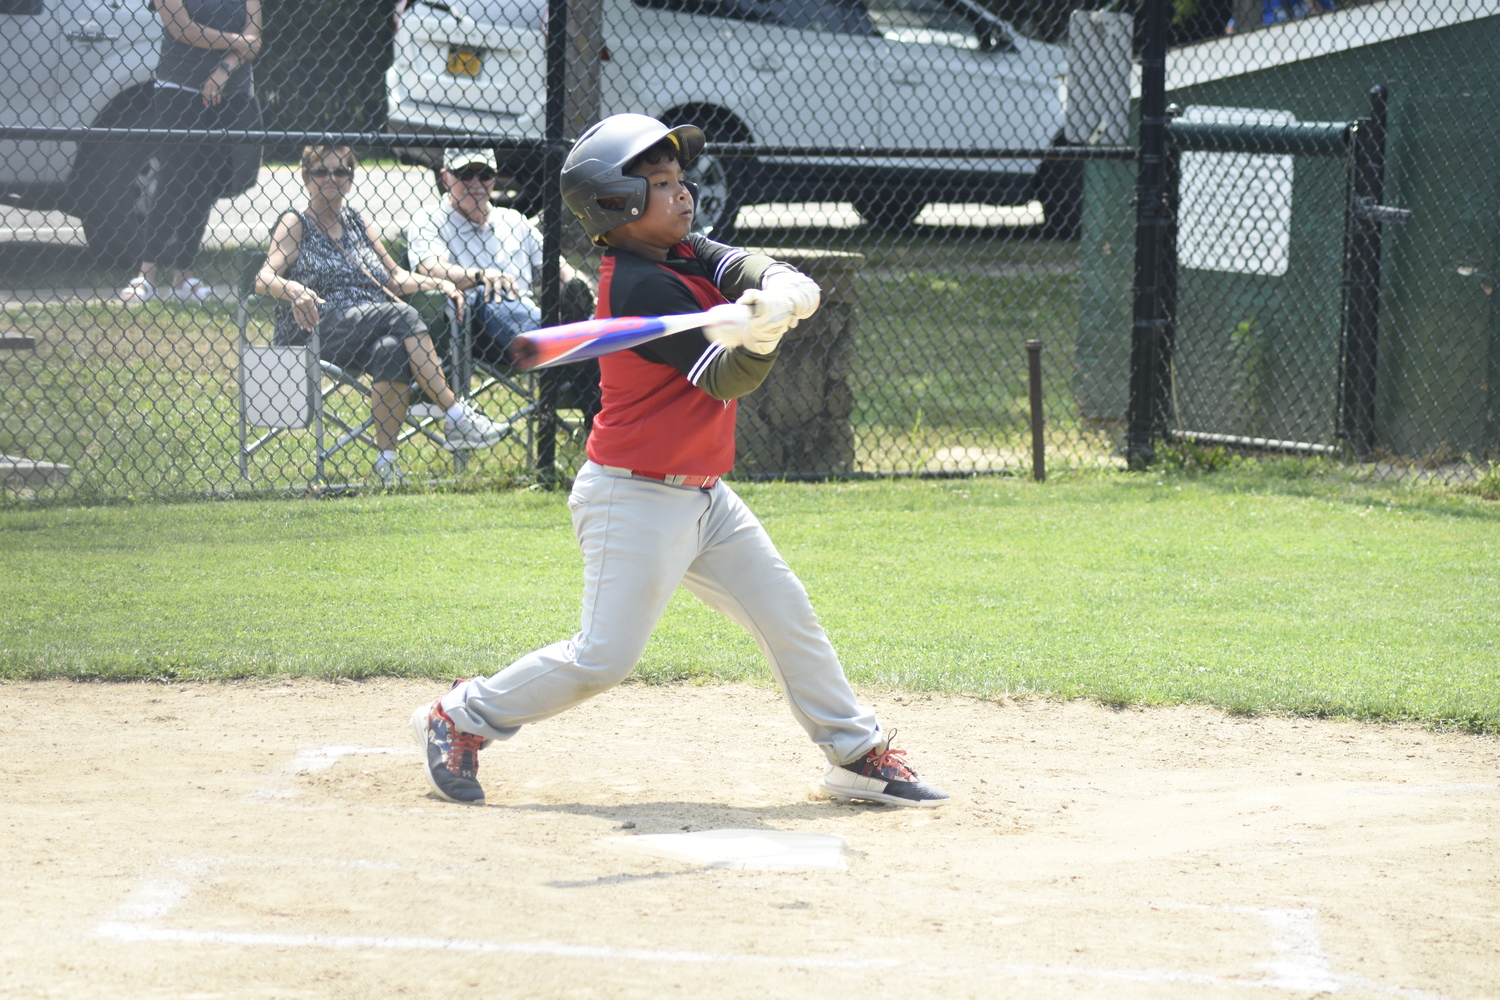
896 73
72 63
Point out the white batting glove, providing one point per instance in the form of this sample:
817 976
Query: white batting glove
770 318
728 324
802 290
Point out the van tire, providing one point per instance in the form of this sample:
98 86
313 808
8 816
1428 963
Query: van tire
1059 187
720 179
889 213
117 184
718 195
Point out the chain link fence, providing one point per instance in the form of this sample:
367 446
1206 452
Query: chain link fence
1328 223
962 178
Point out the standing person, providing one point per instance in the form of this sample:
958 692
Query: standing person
649 508
203 81
330 271
496 255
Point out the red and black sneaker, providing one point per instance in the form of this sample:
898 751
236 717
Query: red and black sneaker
451 756
881 775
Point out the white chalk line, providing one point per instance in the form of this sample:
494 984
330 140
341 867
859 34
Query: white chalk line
1414 790
1303 968
141 933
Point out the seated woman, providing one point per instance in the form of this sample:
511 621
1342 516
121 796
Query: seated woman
336 275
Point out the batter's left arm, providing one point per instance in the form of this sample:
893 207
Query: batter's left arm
736 271
778 295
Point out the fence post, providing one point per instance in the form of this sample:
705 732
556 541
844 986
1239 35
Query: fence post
552 232
1038 424
1362 267
1146 347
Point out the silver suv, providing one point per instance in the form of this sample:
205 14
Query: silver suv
68 63
903 73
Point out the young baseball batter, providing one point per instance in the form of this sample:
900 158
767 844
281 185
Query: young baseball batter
648 507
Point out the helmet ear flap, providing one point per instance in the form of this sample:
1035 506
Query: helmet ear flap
692 188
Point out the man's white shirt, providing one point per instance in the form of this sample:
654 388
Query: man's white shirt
507 241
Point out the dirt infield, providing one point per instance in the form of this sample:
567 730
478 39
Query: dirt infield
264 841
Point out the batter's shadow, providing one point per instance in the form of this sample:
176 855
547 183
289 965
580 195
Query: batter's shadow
682 815
669 817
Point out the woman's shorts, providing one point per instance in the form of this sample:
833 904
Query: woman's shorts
368 338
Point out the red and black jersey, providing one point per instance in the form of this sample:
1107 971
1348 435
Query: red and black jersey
655 414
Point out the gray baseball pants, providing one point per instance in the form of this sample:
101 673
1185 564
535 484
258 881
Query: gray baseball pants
640 538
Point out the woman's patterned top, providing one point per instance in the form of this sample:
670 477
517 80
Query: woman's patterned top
329 269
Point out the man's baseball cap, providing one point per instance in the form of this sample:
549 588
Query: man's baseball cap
456 159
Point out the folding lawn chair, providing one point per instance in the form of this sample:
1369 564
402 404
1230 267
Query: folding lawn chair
283 388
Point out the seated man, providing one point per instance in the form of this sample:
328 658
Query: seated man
496 255
493 253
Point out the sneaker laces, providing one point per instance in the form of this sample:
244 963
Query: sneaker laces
888 763
462 752
466 742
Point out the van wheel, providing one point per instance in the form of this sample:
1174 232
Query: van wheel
718 200
119 187
889 212
720 180
1059 187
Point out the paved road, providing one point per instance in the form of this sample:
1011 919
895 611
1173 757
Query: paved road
385 194
388 196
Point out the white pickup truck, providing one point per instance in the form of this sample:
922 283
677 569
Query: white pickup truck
71 63
842 73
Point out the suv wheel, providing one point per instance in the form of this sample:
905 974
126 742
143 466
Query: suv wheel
118 184
718 200
891 212
1059 187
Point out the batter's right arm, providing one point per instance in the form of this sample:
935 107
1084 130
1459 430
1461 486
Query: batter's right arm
723 371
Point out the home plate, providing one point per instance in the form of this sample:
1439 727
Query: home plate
756 850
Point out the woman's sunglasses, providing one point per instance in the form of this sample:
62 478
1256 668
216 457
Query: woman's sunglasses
338 173
483 174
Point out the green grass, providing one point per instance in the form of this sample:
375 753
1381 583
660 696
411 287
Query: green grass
1257 589
140 401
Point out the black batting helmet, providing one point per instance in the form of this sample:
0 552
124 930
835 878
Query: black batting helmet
595 168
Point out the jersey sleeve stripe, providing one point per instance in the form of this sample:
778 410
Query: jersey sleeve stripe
725 263
704 360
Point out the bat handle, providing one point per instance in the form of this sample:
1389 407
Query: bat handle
522 352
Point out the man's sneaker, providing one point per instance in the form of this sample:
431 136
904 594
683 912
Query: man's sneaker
139 290
450 757
389 473
472 430
881 776
192 290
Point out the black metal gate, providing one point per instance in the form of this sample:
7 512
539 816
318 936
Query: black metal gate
1259 349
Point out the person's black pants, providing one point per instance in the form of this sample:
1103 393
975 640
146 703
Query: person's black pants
190 177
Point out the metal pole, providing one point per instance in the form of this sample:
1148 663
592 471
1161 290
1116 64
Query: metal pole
1362 267
460 363
1038 425
1143 417
552 232
242 319
315 399
1166 263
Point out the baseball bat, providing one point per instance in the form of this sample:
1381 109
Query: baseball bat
592 338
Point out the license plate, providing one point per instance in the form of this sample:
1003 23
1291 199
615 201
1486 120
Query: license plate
464 61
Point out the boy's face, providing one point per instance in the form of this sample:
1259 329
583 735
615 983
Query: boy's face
669 208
